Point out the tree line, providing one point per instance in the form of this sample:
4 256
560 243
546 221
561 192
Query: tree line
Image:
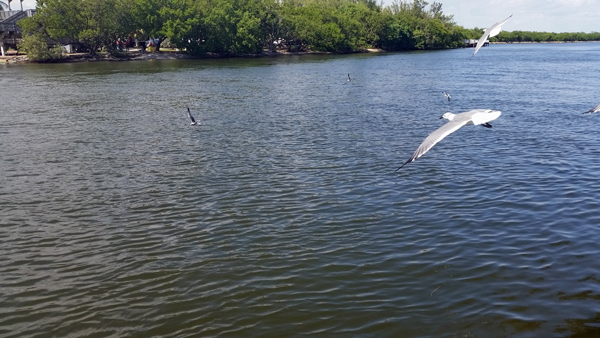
237 27
524 36
528 36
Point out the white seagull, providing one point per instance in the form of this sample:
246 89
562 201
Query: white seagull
446 95
192 120
593 110
494 30
475 116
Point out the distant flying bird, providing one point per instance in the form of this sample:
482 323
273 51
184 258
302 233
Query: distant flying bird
475 116
349 79
593 110
193 121
447 96
494 30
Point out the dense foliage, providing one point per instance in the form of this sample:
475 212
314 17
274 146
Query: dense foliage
526 36
37 48
234 27
521 36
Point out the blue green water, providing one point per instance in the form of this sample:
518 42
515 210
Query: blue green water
282 215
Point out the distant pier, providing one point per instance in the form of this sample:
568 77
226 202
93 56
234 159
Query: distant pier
473 42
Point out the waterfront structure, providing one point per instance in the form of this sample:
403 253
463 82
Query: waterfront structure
10 32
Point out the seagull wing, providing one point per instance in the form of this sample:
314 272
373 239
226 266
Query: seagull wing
481 116
595 109
497 27
490 32
480 42
434 138
190 115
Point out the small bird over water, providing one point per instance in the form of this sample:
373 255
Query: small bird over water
593 110
349 79
446 95
494 30
475 116
192 120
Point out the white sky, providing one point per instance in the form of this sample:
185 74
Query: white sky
528 15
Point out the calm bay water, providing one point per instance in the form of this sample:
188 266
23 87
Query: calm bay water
283 215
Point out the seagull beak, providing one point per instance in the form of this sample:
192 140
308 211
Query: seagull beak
441 117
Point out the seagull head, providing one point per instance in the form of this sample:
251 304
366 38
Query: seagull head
448 116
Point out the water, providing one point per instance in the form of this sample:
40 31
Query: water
283 215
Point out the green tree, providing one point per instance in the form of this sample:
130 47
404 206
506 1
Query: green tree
233 27
271 19
426 28
98 23
149 17
183 25
36 48
93 23
394 33
228 27
300 25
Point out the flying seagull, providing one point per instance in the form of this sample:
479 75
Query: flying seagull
475 116
494 30
192 120
349 79
593 110
447 96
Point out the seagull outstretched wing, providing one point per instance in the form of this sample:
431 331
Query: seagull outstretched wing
490 32
434 138
474 116
193 121
593 110
446 95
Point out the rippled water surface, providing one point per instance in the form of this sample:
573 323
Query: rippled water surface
282 214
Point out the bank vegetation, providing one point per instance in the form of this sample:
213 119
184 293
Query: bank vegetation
241 27
238 27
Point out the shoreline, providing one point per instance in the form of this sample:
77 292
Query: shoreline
531 42
166 54
136 55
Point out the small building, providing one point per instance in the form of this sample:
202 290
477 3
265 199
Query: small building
473 42
10 32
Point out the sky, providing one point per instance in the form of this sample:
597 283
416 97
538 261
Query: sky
528 15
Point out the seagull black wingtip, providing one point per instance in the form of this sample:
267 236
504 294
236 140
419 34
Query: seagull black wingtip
405 163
